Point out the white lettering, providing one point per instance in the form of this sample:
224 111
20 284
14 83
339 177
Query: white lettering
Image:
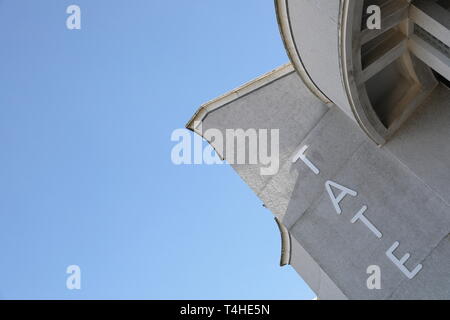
374 281
401 263
301 155
338 199
360 216
273 161
374 21
74 20
74 280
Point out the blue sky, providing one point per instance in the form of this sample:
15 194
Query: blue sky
86 176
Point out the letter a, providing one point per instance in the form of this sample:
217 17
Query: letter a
338 199
181 152
74 280
374 21
74 20
374 281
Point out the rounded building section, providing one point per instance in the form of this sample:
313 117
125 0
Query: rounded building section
377 74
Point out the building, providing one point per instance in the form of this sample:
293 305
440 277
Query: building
363 116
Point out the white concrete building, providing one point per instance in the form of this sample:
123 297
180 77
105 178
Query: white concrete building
364 121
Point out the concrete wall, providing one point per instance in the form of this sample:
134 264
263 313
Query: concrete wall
400 202
285 104
404 186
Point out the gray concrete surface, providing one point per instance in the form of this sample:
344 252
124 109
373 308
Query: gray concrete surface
406 202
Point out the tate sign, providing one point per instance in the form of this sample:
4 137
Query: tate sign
337 193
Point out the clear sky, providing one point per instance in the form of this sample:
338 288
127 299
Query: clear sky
86 176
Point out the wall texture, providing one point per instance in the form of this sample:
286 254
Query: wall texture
403 186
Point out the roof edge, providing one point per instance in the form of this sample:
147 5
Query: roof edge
284 26
235 94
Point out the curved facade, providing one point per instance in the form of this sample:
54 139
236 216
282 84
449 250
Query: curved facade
369 73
